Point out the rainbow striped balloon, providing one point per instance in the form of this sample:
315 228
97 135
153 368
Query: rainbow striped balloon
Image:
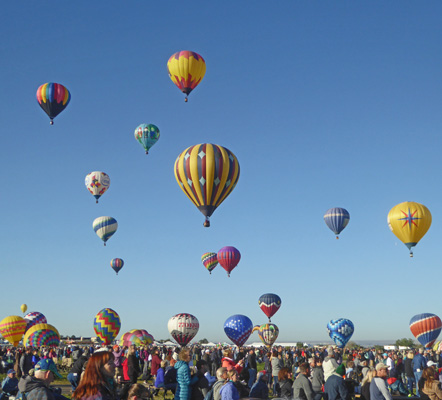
426 328
210 261
12 329
42 335
53 99
107 324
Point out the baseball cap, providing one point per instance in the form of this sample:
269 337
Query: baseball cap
11 371
47 365
381 366
429 364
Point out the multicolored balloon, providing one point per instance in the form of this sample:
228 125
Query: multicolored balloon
147 135
97 183
34 318
268 333
437 346
409 221
12 329
23 308
238 328
42 335
138 337
269 303
426 328
183 328
186 69
53 99
340 330
105 227
337 219
228 257
107 324
210 261
117 264
207 174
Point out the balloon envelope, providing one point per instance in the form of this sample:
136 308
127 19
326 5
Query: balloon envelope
23 308
409 221
107 324
210 261
138 337
183 328
228 257
238 328
42 335
337 219
105 227
53 98
207 174
268 333
117 264
34 318
340 330
426 328
269 303
12 329
147 135
97 183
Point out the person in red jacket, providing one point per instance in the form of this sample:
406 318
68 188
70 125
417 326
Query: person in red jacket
156 363
227 362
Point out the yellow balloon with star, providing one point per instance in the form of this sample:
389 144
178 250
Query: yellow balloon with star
409 221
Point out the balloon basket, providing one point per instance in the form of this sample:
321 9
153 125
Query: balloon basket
186 99
337 237
52 122
411 255
96 201
206 223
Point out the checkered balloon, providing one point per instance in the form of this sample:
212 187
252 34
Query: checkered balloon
340 330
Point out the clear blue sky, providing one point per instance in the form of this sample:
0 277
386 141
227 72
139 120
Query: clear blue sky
325 104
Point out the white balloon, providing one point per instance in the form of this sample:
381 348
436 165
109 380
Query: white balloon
183 328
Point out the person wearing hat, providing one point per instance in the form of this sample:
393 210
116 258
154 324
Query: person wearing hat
335 387
419 363
259 389
378 386
10 383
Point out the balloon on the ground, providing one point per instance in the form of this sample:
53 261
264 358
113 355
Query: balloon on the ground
23 308
409 221
53 99
97 183
207 174
337 219
105 227
210 261
340 330
42 335
12 329
238 328
147 135
107 324
183 328
426 328
228 257
34 318
117 264
186 69
268 333
138 337
269 303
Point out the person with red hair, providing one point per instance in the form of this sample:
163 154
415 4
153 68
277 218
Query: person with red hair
97 382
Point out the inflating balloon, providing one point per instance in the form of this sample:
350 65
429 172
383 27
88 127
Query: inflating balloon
137 337
238 328
186 69
269 303
210 261
268 333
340 330
409 221
207 174
337 219
97 183
12 329
426 328
23 308
107 324
228 257
34 318
117 264
42 335
183 328
147 135
53 99
105 227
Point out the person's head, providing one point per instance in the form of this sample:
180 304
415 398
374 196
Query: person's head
381 370
351 364
46 371
11 373
232 375
184 355
262 375
283 374
318 361
371 373
421 350
275 353
163 364
221 373
138 392
201 366
227 353
428 376
304 369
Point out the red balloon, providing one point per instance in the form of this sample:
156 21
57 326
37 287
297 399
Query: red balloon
228 258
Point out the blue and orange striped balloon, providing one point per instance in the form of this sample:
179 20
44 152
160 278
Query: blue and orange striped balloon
426 328
53 99
107 324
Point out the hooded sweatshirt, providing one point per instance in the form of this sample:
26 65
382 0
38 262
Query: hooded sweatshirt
35 389
329 366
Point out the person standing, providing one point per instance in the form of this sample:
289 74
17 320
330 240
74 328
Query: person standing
302 387
252 366
133 366
318 379
183 376
419 364
277 364
378 386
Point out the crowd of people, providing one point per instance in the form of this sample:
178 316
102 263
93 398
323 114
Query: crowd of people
222 373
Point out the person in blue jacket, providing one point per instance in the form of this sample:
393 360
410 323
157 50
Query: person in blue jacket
10 383
419 363
183 377
229 391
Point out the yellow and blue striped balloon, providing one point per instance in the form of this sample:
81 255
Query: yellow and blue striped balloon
337 219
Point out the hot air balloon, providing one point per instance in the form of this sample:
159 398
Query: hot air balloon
42 335
107 324
53 99
183 328
210 261
228 257
117 264
268 333
12 329
337 219
340 330
138 337
105 227
147 135
34 318
23 308
409 221
238 328
426 328
269 303
186 69
207 174
97 183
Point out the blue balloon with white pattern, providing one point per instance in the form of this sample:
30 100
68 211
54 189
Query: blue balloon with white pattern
340 330
238 328
337 219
